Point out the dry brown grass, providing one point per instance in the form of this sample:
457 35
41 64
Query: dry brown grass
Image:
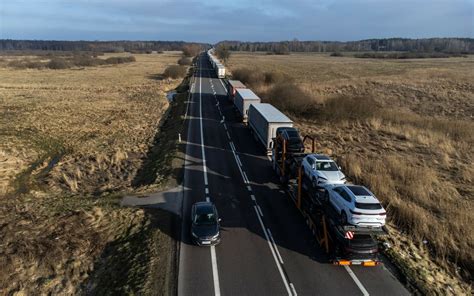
404 129
67 135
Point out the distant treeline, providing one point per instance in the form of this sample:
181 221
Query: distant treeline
97 46
447 45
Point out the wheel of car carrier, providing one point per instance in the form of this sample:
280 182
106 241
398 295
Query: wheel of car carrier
343 218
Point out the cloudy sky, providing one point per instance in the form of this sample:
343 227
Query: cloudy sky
246 20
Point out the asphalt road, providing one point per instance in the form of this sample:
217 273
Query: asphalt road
266 247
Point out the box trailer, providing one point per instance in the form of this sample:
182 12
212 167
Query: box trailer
232 86
243 98
263 120
220 71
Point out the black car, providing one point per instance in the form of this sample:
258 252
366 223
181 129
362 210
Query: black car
205 224
361 247
293 139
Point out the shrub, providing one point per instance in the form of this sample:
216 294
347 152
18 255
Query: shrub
276 77
86 61
349 108
250 77
336 54
120 60
191 50
184 61
289 97
58 63
175 72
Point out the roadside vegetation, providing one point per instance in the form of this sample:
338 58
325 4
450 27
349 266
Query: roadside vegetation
404 129
73 143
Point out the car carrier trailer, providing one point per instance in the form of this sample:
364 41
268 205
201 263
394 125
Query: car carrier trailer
345 244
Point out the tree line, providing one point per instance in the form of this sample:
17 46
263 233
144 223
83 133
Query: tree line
448 45
97 46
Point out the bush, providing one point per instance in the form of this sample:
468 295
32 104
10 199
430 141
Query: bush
86 61
191 50
277 77
120 60
175 72
336 54
289 97
184 61
349 108
25 64
58 63
251 78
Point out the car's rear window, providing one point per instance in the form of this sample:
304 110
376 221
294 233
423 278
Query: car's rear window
368 206
358 190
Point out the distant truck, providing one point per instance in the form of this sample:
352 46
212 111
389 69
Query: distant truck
263 120
232 86
244 97
220 70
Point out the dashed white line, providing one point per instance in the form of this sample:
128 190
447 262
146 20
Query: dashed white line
252 197
228 135
208 199
232 146
285 282
260 211
246 180
249 188
215 275
356 280
274 245
225 126
238 161
207 190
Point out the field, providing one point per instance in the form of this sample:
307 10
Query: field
405 129
72 141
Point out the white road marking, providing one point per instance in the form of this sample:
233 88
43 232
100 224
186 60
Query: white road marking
208 199
260 211
246 179
215 274
274 245
238 160
207 190
293 289
273 253
225 126
249 188
232 146
228 135
252 197
356 280
202 133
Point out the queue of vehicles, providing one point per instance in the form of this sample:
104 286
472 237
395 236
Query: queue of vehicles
345 219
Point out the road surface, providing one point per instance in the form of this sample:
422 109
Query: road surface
266 248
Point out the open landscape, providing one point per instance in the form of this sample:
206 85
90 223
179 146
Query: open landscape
73 141
403 128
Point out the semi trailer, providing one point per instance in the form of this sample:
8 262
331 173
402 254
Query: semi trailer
232 86
244 97
345 244
263 120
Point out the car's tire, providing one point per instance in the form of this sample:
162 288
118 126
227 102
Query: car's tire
343 218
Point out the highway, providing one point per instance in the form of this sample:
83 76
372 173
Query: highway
266 247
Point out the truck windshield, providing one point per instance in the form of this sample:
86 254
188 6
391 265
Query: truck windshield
326 166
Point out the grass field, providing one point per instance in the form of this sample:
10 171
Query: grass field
71 139
405 129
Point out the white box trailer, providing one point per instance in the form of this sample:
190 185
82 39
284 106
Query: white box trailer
263 120
220 71
243 98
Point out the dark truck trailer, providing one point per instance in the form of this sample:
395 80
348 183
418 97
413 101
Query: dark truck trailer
345 244
232 86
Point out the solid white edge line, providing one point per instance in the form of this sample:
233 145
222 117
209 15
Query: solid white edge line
215 274
273 253
274 245
260 212
356 280
238 160
228 135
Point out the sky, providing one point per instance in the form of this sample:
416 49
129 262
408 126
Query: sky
245 20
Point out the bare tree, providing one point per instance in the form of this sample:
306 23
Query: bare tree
223 53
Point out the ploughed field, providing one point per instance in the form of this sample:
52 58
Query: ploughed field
69 137
403 128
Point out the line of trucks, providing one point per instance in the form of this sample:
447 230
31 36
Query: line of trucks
216 64
346 220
